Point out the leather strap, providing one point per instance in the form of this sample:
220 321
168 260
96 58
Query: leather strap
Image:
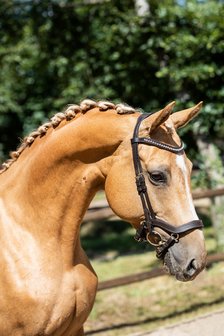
147 226
192 225
161 145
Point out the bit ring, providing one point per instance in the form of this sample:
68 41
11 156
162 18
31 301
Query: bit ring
157 235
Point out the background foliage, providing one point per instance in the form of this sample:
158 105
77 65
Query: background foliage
57 52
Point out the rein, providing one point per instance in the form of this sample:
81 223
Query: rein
146 231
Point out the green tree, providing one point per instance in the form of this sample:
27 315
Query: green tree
53 53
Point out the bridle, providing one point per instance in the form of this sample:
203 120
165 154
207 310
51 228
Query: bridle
146 231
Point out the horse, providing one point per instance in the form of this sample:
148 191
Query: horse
47 283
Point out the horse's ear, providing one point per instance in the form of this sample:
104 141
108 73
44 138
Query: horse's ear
181 118
158 118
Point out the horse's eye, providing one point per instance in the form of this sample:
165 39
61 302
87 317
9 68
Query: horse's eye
157 178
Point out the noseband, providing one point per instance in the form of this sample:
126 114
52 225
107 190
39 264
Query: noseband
146 231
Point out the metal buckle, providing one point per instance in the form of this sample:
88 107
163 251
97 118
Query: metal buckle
175 237
158 240
140 183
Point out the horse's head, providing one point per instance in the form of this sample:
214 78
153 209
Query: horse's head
162 209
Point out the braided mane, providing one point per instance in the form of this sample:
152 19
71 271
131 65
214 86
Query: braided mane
68 114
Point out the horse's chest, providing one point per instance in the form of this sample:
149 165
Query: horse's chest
39 295
50 308
74 302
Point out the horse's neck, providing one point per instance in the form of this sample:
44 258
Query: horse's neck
53 182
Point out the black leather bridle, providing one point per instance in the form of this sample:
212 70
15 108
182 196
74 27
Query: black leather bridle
146 231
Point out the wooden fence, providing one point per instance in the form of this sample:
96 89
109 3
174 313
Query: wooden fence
129 279
100 210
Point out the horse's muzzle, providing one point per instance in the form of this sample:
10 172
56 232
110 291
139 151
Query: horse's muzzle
186 272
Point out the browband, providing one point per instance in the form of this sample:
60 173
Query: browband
161 145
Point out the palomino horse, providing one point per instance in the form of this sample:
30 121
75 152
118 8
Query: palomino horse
47 284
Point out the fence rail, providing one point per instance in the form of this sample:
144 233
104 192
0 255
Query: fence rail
209 193
129 279
100 210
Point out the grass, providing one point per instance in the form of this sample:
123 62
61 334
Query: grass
151 303
125 265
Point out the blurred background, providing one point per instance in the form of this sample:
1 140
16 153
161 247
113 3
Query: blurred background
145 53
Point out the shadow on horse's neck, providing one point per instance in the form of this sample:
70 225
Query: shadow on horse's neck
55 179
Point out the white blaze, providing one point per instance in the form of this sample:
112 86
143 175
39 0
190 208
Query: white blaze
181 164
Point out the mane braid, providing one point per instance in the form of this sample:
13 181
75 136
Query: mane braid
68 114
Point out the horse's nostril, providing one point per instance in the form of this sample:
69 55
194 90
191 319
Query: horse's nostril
193 264
191 268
